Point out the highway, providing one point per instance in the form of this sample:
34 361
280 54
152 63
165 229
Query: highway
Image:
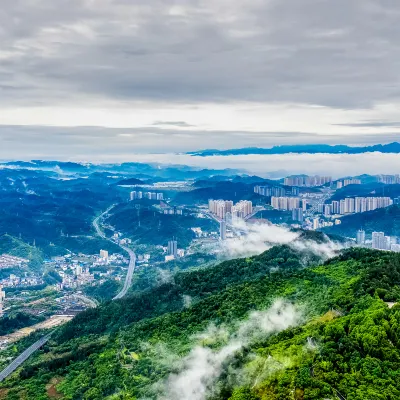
132 256
127 284
23 357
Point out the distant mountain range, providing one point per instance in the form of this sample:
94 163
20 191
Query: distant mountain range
306 148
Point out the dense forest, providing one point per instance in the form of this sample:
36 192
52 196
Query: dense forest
144 224
280 325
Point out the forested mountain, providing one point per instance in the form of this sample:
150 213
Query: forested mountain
146 225
221 333
382 220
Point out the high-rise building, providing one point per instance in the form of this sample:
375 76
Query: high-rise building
286 203
297 214
2 297
133 195
269 191
295 191
222 230
360 237
308 181
389 179
173 248
360 204
221 207
104 254
380 241
335 207
327 210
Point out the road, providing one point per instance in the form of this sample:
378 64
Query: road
132 256
326 194
23 357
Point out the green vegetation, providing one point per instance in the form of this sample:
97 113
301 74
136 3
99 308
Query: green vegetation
105 291
347 342
146 225
17 321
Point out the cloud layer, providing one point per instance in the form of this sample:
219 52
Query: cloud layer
195 73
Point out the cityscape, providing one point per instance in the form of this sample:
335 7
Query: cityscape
199 200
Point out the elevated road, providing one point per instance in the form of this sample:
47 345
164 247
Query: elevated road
132 256
23 357
127 284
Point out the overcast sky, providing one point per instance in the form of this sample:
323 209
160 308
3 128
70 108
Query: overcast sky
95 79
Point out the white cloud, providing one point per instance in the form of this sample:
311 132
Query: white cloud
200 369
259 237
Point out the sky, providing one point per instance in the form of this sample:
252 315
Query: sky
106 79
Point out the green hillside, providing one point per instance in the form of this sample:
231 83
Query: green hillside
331 333
383 220
146 225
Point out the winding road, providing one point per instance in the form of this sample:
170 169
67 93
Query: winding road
132 256
17 362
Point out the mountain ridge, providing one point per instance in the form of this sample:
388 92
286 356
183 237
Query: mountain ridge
393 147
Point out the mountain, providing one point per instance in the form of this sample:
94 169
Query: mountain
218 190
264 327
130 181
307 148
144 224
382 220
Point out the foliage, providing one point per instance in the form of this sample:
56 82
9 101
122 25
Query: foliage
348 344
20 320
105 291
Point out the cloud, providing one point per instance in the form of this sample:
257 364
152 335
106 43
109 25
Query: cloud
258 72
200 369
269 51
259 237
180 124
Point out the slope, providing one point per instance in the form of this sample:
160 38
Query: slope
342 337
383 220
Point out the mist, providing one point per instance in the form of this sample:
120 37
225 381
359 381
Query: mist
200 369
256 238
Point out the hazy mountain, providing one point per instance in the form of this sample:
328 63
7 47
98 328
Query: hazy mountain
308 148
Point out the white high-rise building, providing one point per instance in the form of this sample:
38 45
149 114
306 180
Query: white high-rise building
380 241
173 248
222 230
104 254
360 237
2 297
